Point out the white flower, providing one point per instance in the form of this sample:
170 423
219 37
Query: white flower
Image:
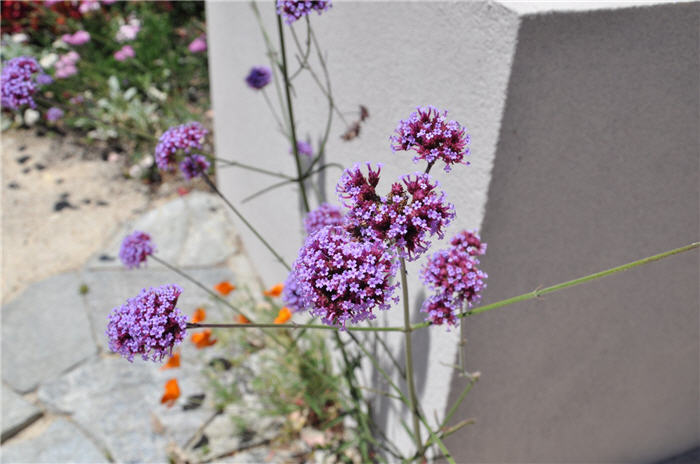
48 60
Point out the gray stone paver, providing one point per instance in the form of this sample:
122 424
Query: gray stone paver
61 442
45 331
51 336
17 413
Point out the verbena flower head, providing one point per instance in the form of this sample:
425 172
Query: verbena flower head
292 10
54 114
185 138
304 148
258 77
433 137
454 275
135 249
343 279
324 215
17 82
291 294
193 166
44 79
406 219
66 65
149 325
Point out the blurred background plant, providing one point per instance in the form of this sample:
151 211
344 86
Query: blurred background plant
122 72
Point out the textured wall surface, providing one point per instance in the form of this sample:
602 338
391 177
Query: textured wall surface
584 155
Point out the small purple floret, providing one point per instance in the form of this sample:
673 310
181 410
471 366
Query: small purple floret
193 166
433 137
54 114
292 10
185 138
343 279
291 294
17 82
149 325
135 249
304 148
324 215
258 77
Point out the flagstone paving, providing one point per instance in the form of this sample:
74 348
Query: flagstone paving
97 407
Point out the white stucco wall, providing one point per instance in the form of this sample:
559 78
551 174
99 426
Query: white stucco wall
394 56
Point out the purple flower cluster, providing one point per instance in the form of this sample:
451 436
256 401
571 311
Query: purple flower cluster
135 249
304 148
184 137
292 10
149 325
413 211
454 276
324 215
343 279
54 114
291 294
433 137
258 77
193 166
17 82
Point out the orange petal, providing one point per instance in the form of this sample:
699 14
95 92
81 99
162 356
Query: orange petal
274 291
172 363
172 392
284 315
199 315
241 319
202 339
224 287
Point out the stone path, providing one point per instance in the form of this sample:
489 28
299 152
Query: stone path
66 398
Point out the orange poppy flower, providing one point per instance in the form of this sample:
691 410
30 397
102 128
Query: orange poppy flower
241 319
224 287
274 291
172 363
202 339
199 315
284 315
172 393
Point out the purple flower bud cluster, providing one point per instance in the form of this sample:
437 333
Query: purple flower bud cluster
405 219
454 276
135 249
432 136
193 166
258 77
17 82
343 279
304 148
292 10
149 325
184 137
291 294
324 215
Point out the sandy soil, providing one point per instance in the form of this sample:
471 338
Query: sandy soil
61 202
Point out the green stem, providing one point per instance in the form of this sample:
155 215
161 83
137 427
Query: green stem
292 326
570 283
245 221
253 168
409 356
290 110
463 395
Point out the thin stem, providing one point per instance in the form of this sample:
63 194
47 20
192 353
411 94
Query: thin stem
292 325
409 356
253 168
245 221
198 284
290 110
570 283
454 407
462 343
274 112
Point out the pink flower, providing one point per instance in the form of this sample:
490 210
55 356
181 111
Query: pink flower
65 66
198 45
128 31
88 5
77 38
124 53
